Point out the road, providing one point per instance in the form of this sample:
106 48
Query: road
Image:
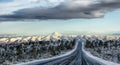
78 57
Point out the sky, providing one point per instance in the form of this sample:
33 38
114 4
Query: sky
44 16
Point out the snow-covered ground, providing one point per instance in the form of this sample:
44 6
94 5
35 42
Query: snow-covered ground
104 49
17 50
107 49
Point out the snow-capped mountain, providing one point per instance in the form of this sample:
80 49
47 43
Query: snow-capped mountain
53 36
56 34
4 40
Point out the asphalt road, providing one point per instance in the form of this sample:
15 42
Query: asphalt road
78 57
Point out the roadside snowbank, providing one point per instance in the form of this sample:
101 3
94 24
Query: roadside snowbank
48 59
98 59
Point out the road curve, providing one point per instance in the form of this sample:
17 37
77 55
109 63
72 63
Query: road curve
78 57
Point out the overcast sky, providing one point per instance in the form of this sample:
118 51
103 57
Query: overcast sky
38 16
55 9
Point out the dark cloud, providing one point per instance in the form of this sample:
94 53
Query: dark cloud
66 10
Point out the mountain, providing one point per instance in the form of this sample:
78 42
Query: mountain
54 36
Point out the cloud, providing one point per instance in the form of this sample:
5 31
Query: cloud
57 9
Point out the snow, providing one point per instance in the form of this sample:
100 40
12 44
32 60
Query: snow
34 38
98 59
46 38
25 48
26 39
56 36
10 40
15 39
4 40
39 38
48 59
